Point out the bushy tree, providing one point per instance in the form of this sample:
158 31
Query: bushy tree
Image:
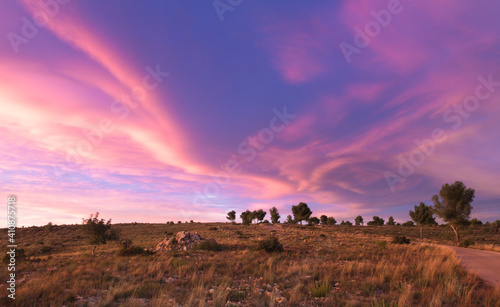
246 217
453 205
422 216
275 215
260 215
290 220
390 221
314 220
301 212
331 221
408 223
476 222
377 221
346 223
323 219
231 215
98 231
359 220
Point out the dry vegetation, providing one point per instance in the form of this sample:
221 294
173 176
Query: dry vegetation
320 266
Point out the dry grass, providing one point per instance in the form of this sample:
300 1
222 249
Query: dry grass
320 266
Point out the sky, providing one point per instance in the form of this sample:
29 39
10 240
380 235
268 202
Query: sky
184 110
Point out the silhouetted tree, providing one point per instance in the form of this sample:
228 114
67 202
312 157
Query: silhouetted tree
323 219
301 212
454 207
377 221
476 222
359 220
275 215
314 220
231 215
346 223
98 231
290 220
423 215
331 221
260 215
390 221
246 217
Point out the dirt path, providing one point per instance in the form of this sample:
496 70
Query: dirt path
486 264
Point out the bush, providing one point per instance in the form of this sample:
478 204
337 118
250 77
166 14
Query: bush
466 243
131 251
400 240
213 228
271 245
208 245
382 244
49 227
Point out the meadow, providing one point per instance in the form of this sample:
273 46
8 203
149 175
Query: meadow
319 266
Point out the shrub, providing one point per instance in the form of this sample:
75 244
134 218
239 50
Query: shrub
213 228
382 244
49 227
127 249
466 243
208 245
321 290
131 251
400 240
271 245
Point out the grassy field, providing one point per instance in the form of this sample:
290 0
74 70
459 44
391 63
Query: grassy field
320 266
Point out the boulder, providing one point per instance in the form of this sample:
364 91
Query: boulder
181 241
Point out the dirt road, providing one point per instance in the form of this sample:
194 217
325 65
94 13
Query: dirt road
486 264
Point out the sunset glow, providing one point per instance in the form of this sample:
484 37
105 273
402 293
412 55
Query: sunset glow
161 111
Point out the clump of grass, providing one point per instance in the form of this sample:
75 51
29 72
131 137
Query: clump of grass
208 245
321 289
270 245
400 240
466 243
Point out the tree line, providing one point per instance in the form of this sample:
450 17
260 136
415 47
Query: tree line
452 204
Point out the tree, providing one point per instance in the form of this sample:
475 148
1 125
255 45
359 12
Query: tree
377 221
359 220
231 215
323 219
260 215
314 220
290 220
476 222
246 217
98 231
422 215
409 224
390 221
301 212
331 221
253 214
454 207
275 215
